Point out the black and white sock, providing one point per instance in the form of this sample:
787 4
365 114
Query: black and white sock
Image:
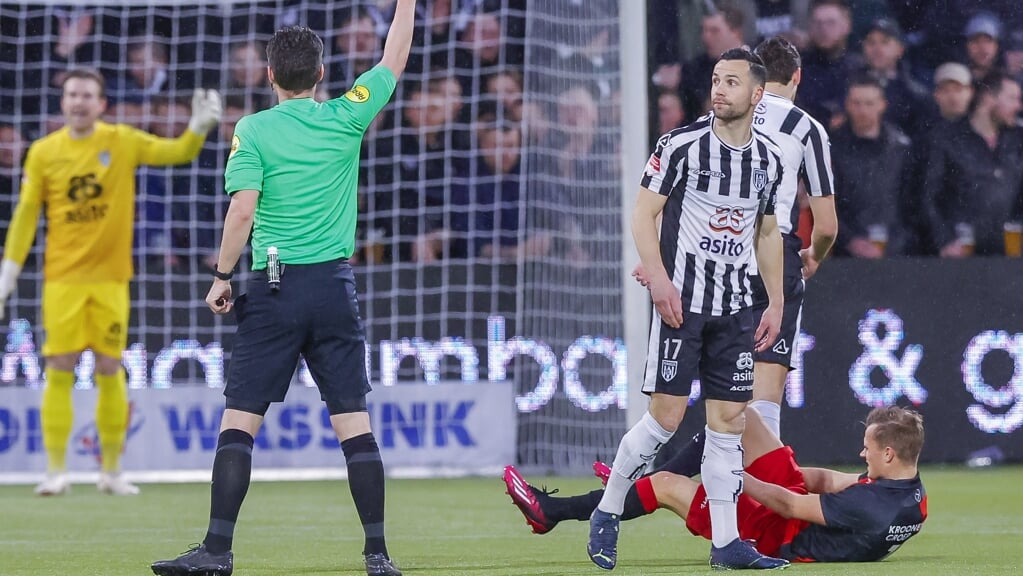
722 478
636 453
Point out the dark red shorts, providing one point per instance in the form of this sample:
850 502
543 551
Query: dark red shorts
757 521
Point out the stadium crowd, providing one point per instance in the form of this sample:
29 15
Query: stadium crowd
921 100
921 104
453 139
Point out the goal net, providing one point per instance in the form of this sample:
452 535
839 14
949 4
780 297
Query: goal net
490 238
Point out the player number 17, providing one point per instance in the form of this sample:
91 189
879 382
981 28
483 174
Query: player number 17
668 353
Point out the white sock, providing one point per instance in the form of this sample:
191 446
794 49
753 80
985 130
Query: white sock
721 474
770 413
636 453
724 523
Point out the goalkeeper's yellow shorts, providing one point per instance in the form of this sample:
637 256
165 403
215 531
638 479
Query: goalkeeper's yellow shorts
80 316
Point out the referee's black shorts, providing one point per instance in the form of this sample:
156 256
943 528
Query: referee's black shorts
315 314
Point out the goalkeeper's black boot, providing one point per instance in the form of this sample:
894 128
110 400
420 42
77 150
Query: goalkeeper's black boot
380 565
197 562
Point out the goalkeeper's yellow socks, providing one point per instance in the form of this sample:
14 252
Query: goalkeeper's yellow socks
57 417
112 418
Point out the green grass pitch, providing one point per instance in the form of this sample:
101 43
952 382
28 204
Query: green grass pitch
456 527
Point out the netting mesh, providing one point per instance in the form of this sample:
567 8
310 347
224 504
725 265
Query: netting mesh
490 186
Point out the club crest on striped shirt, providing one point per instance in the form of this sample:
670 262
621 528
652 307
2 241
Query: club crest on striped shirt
669 368
759 179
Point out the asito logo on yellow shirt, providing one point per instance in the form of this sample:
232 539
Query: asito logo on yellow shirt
358 94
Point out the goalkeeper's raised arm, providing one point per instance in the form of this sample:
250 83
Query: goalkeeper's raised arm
206 112
399 37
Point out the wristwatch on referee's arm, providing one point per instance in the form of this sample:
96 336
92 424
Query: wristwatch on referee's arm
223 275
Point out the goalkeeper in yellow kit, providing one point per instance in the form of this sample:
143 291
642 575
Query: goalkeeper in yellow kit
84 174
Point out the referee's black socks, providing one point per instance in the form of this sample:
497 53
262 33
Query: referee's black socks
232 470
366 481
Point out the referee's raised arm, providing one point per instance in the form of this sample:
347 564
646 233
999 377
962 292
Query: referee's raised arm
399 37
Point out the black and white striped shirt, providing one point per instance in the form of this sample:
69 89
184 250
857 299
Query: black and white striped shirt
715 193
805 153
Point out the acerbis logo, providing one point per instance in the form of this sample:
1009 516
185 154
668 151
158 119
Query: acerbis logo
711 173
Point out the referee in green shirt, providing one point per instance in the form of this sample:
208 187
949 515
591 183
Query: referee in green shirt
293 177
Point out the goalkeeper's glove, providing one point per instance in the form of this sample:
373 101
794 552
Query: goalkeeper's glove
206 111
9 271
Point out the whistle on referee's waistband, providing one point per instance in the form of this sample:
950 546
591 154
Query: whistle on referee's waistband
273 269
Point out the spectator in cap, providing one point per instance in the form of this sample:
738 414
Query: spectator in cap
909 106
953 90
973 175
983 33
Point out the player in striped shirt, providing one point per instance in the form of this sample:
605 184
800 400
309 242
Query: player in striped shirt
713 184
806 156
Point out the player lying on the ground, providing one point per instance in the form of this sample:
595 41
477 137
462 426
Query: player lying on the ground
800 514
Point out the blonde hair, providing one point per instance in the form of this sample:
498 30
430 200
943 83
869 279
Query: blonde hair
899 428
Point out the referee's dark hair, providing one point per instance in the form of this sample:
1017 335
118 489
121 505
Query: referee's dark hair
780 58
757 71
295 55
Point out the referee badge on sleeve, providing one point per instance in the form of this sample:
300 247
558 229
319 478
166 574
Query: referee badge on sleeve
759 179
358 94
